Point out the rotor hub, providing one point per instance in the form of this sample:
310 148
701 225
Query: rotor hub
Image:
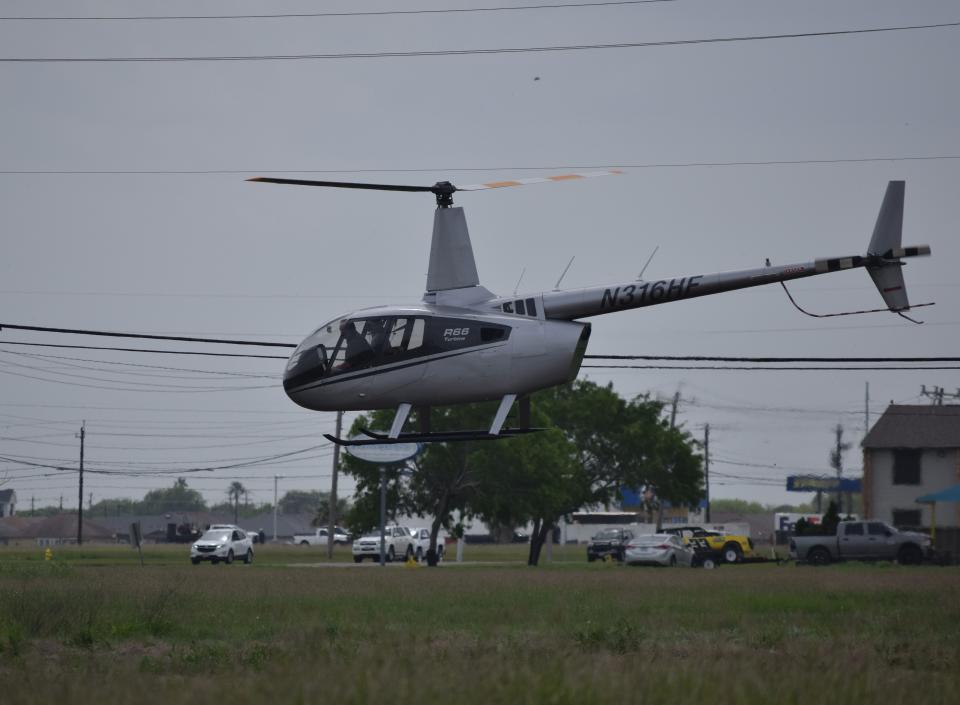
444 190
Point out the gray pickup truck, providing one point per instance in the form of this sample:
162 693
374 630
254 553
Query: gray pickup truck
862 541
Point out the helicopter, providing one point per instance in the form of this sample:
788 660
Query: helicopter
462 343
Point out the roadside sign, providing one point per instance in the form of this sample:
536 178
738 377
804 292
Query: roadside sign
383 453
822 483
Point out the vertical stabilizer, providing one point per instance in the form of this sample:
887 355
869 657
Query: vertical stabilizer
451 256
887 231
887 275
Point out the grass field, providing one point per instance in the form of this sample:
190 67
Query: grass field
93 626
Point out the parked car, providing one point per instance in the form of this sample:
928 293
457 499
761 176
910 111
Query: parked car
659 549
398 545
862 540
222 545
609 542
319 537
421 543
520 536
731 548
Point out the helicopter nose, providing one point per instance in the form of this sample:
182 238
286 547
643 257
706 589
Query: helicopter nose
302 370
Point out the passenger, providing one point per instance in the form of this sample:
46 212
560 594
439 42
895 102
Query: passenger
376 333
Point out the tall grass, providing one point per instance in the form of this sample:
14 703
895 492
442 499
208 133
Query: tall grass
565 634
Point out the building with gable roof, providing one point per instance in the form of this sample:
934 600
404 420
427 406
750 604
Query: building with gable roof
911 451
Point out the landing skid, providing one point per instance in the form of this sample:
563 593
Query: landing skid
495 432
439 437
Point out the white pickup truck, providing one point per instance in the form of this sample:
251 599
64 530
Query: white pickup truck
319 537
398 545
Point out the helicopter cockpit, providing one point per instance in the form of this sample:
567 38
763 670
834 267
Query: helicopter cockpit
345 345
349 344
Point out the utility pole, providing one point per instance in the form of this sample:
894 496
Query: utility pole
706 468
937 394
673 408
383 516
333 489
836 460
866 411
673 423
82 435
275 478
32 505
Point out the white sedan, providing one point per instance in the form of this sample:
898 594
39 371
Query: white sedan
224 544
658 549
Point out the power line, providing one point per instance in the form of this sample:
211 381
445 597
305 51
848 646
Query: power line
364 13
145 473
110 334
558 167
70 362
133 385
794 368
678 358
144 350
706 358
469 52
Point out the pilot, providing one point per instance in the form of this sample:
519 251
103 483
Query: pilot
358 352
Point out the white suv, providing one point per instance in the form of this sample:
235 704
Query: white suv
421 544
398 544
222 544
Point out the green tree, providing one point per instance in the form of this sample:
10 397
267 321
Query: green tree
615 443
178 498
235 491
533 479
301 501
438 482
597 444
322 512
113 507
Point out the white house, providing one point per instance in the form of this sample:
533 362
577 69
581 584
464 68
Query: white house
8 503
911 451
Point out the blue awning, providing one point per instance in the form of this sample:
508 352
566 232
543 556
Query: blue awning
951 494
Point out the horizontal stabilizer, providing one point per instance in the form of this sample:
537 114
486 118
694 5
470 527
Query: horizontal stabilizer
889 282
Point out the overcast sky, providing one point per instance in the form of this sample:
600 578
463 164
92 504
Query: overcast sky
212 255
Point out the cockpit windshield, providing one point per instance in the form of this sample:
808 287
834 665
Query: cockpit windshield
349 343
346 344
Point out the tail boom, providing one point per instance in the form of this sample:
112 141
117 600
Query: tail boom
883 261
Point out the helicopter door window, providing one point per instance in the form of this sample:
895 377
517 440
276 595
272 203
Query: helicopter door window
395 340
416 335
521 307
531 307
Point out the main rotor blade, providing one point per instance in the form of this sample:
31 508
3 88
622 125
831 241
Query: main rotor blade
539 180
343 184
